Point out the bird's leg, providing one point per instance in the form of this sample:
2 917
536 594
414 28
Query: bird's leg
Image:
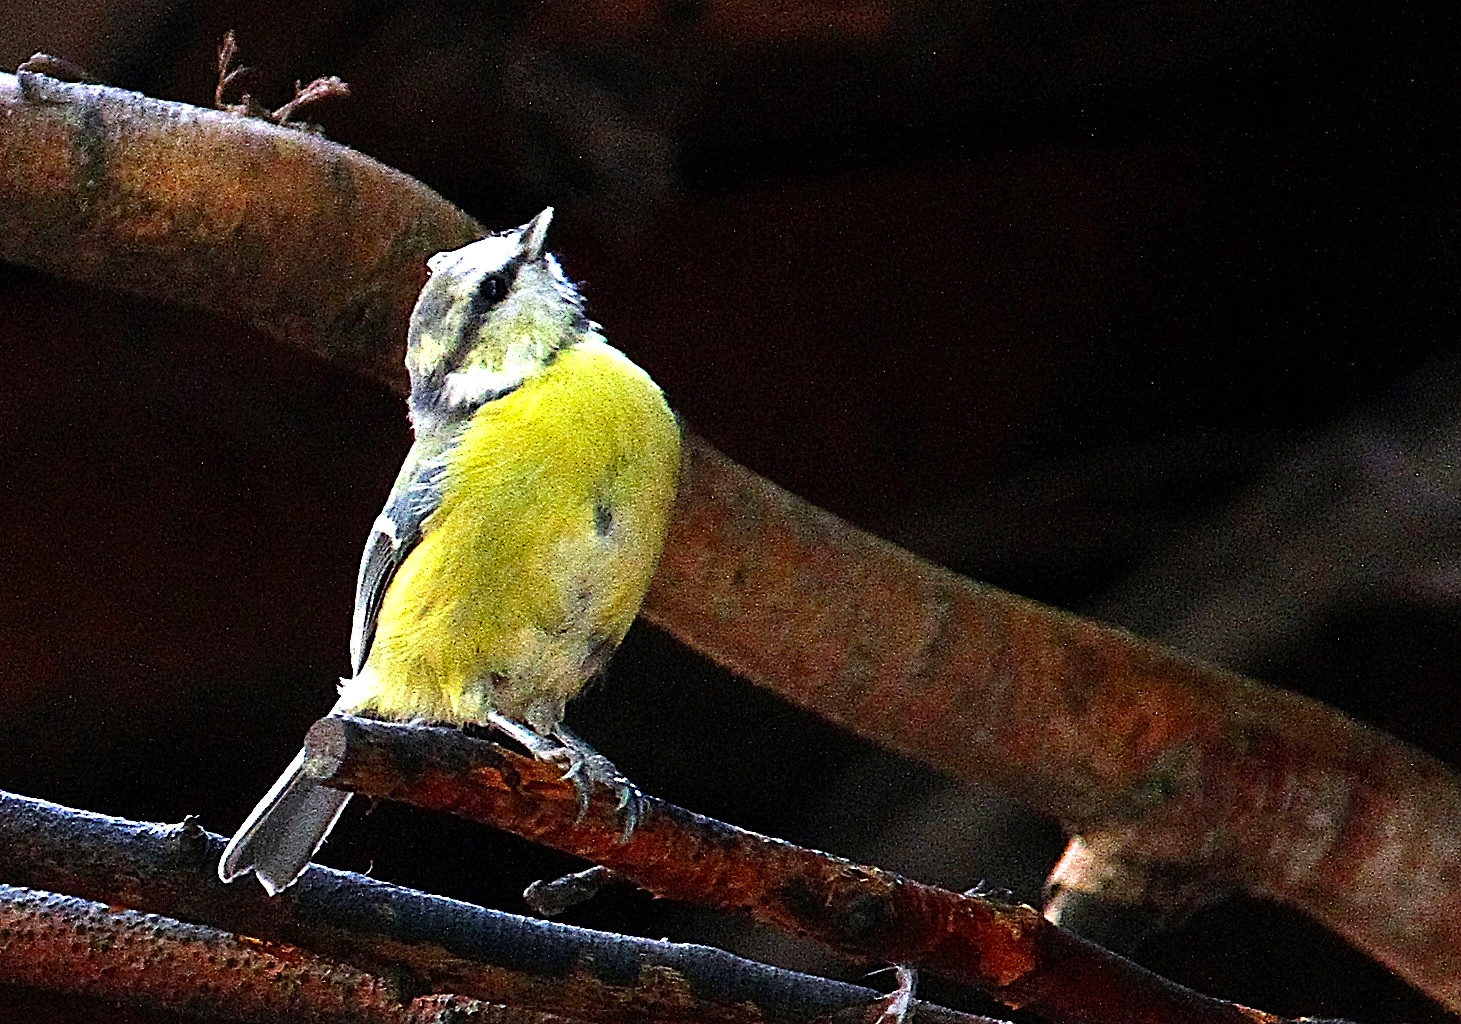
546 748
585 766
541 747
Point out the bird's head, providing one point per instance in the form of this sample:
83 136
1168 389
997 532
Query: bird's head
493 313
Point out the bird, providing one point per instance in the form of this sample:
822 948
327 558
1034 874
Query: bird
518 541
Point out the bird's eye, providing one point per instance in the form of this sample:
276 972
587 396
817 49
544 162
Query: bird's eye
493 289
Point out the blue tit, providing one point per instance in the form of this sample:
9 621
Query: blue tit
519 539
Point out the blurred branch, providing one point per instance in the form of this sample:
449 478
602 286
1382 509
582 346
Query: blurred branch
1175 768
1371 505
1168 761
1009 951
424 944
1368 507
718 86
64 944
310 242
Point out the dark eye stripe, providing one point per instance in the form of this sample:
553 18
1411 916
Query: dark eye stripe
490 291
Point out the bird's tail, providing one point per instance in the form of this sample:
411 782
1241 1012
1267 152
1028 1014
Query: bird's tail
284 830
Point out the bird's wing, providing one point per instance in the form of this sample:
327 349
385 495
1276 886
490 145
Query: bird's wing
398 529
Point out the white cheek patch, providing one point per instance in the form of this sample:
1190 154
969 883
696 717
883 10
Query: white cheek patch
477 384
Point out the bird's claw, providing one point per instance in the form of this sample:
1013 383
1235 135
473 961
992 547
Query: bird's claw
586 767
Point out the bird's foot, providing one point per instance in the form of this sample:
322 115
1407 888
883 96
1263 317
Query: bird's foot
585 767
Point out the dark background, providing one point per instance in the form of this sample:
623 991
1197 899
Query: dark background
1146 310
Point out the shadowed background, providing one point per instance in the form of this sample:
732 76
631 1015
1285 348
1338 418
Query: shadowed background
1144 310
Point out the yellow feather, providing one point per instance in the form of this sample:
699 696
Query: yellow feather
530 572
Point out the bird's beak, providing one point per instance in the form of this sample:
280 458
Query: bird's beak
535 234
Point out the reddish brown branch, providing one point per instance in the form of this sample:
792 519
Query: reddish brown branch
1169 768
426 943
1009 951
310 242
1161 763
64 944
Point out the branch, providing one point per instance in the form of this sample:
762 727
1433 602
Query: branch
424 943
1367 506
1172 771
311 243
1156 760
63 944
1011 952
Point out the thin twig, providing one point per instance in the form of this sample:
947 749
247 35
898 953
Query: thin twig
424 943
319 89
227 73
1009 951
1169 761
324 88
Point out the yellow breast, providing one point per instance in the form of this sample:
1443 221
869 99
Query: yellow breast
529 573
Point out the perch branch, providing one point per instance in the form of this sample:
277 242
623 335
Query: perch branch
1009 951
426 944
1155 760
64 944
